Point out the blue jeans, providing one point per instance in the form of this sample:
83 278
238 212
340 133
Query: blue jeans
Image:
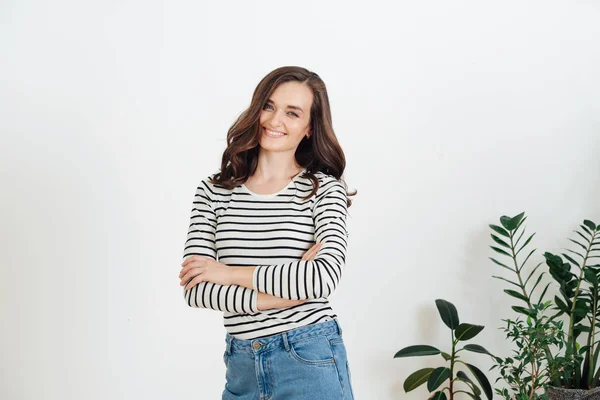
304 363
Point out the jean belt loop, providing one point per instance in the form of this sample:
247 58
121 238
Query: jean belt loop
229 340
285 341
339 326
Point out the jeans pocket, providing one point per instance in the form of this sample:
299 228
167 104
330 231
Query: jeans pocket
225 357
313 350
341 358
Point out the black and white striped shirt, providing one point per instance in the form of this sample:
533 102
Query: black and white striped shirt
272 232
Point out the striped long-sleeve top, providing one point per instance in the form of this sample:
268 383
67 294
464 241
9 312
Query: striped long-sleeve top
272 232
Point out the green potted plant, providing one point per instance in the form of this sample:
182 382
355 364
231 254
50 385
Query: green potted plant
540 333
528 371
444 375
579 301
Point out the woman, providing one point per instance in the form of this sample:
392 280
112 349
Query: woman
278 191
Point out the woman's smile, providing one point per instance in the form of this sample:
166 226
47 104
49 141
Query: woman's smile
273 134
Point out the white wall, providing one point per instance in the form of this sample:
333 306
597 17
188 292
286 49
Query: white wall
451 114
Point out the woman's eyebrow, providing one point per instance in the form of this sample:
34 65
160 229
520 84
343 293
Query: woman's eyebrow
288 106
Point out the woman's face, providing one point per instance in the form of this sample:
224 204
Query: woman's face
286 112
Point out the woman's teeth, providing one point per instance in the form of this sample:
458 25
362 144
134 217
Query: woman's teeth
273 133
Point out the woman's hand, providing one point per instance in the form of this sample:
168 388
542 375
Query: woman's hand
198 269
312 252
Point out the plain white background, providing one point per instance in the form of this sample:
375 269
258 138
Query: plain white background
451 114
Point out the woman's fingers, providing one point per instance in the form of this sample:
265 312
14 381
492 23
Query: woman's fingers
193 282
306 255
310 253
192 273
315 249
193 279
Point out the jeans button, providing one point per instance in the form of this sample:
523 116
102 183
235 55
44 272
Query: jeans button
256 345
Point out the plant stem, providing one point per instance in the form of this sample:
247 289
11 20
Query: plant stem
591 336
572 316
512 247
517 270
452 360
547 352
534 376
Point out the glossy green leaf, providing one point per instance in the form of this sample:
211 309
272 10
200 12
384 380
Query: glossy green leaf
500 230
516 243
527 258
505 221
437 377
561 305
440 395
576 253
543 293
467 331
531 274
516 294
590 276
448 313
417 351
582 236
577 243
520 222
580 311
498 250
524 311
482 379
417 378
589 224
462 376
511 224
475 348
525 244
586 230
506 280
583 349
502 265
500 241
595 360
539 279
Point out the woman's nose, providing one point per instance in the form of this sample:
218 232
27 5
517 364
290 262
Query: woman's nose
275 120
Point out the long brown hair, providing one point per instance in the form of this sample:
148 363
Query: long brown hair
320 152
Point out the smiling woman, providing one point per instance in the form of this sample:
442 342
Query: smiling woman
267 244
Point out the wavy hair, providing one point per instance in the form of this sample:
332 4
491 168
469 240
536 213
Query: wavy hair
320 152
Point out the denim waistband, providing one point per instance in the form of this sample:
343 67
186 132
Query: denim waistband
282 339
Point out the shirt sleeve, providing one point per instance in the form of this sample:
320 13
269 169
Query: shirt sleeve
201 241
312 279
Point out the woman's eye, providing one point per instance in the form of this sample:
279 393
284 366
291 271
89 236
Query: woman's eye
293 113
